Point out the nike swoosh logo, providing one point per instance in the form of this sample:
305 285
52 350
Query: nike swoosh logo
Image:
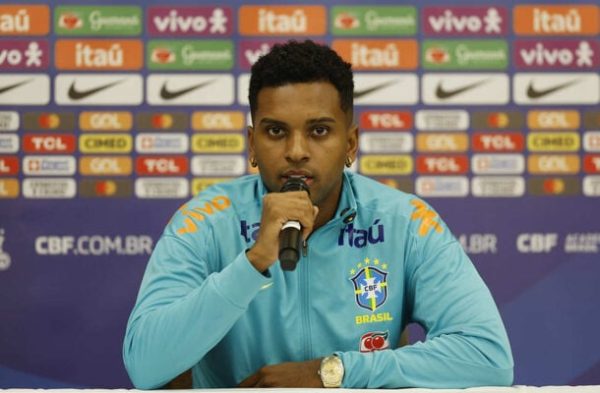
75 94
443 94
369 90
533 93
172 94
266 286
10 87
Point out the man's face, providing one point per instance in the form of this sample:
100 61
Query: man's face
300 129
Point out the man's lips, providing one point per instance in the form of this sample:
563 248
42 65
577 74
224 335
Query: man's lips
306 176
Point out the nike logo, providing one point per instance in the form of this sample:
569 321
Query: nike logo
11 87
443 94
533 93
369 90
75 94
172 94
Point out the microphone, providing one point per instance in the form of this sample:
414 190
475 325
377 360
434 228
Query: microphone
290 237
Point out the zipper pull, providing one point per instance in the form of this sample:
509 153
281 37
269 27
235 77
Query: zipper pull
304 248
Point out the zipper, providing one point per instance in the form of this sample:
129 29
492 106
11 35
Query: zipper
304 293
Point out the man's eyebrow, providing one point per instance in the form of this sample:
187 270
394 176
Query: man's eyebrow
267 120
321 120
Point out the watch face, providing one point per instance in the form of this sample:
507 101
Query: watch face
332 371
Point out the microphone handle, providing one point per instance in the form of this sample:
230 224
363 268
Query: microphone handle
290 239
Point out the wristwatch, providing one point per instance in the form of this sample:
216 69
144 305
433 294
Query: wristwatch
331 371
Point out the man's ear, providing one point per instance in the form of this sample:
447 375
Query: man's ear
352 142
250 131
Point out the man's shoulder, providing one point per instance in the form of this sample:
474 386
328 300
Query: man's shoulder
215 204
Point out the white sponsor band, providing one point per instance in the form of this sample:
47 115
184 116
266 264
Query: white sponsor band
591 141
9 143
386 89
162 188
161 143
449 120
24 89
386 142
591 186
56 188
442 186
218 165
498 186
462 88
98 89
190 89
49 165
497 164
9 121
556 88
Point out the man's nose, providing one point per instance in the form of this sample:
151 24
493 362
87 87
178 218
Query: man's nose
297 147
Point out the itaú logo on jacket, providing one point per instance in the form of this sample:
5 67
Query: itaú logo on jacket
359 238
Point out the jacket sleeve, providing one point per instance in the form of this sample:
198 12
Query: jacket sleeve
183 309
466 343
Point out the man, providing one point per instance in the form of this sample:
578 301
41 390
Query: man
215 299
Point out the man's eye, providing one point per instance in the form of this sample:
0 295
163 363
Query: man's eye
275 131
320 131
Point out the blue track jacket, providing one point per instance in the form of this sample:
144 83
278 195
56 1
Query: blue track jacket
386 259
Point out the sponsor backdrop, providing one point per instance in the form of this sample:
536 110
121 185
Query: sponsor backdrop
113 114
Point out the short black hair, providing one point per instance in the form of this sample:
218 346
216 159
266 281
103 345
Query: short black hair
302 62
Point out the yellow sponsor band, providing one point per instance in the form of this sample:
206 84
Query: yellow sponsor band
553 141
553 164
105 143
9 188
105 165
386 164
218 121
442 142
218 143
553 120
105 121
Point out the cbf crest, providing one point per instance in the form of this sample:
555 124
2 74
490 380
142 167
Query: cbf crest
370 284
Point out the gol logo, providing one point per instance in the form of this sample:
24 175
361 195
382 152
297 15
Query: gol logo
374 341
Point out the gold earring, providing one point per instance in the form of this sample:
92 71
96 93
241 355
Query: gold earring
253 162
348 162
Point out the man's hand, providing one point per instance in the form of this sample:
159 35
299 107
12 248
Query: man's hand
279 208
286 375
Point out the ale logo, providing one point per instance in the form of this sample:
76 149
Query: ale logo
70 21
346 21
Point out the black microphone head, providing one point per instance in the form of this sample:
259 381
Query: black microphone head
295 183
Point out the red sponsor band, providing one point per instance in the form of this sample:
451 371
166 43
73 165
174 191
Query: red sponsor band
386 120
498 142
162 165
49 143
9 165
591 163
443 164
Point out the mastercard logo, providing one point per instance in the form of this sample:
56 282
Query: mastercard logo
49 121
554 186
161 121
498 120
105 188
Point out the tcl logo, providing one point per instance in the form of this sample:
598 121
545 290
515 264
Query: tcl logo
374 341
162 165
386 120
49 143
498 142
